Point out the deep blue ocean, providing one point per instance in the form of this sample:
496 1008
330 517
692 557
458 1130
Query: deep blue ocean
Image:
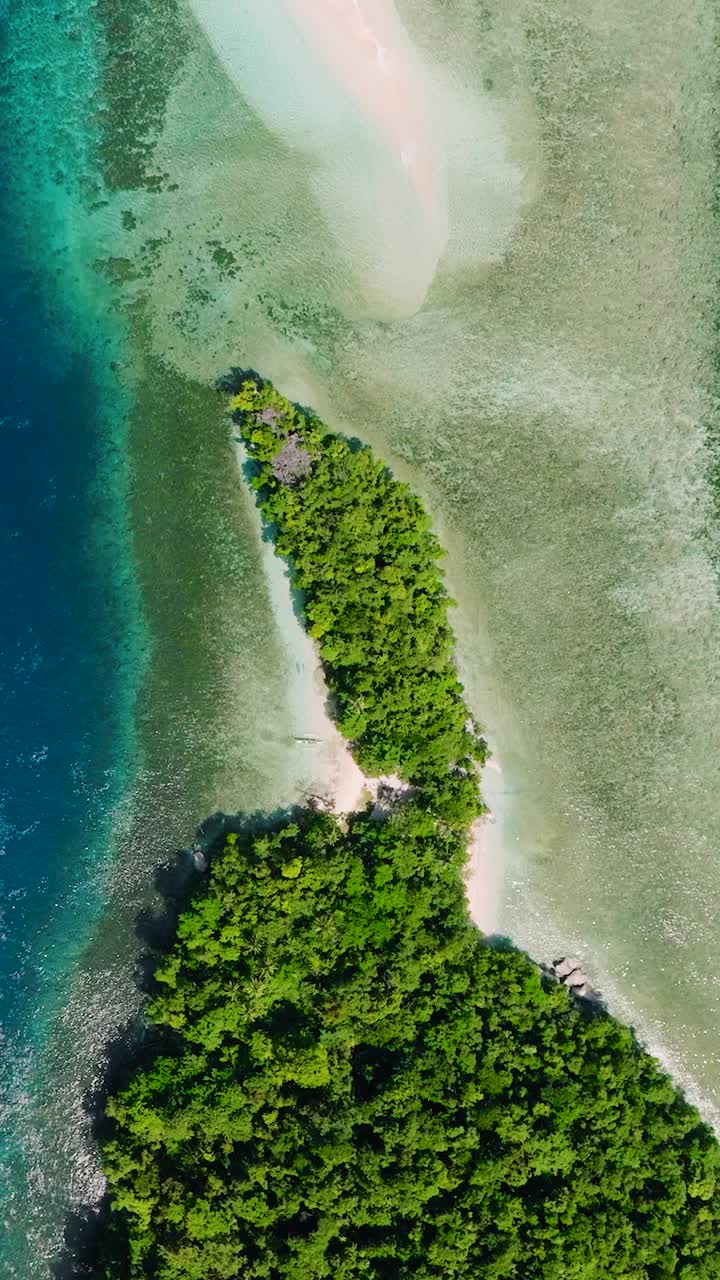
61 642
68 621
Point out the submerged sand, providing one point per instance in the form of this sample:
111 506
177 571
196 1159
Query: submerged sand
340 82
548 401
366 48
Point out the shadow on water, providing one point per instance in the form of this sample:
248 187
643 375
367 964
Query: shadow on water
229 385
90 1250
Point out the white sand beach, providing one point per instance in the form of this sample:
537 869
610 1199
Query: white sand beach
483 873
322 765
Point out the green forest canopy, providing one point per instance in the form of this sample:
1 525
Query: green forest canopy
356 1085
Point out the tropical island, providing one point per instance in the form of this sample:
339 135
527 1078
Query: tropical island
353 1081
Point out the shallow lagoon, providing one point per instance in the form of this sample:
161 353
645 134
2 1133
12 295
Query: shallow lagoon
549 400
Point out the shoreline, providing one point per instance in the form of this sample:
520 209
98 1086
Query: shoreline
483 874
321 764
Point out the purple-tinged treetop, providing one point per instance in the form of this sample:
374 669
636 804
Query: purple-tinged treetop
270 416
292 463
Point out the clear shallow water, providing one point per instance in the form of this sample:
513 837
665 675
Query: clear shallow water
70 641
548 400
145 686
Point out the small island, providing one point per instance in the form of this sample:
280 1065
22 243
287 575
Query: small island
354 1082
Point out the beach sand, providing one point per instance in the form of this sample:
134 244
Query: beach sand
320 763
322 766
483 871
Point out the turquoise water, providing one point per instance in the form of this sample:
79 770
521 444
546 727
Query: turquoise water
548 401
70 643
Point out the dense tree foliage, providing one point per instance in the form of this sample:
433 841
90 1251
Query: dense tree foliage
362 1088
355 1084
366 562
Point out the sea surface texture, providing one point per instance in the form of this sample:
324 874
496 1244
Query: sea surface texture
554 398
70 645
532 344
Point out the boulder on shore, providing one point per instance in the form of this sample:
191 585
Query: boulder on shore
569 972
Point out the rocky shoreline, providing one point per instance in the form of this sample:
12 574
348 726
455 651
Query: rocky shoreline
567 969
